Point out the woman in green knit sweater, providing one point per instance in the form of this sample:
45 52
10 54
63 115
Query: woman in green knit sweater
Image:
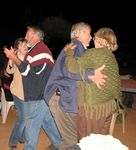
96 105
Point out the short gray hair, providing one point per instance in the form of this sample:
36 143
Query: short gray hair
77 28
37 30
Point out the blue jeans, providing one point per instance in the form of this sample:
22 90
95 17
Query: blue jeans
17 132
37 116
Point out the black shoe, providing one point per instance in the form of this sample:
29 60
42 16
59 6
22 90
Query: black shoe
13 147
51 147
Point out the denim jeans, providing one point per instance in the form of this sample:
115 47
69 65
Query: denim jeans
37 116
17 132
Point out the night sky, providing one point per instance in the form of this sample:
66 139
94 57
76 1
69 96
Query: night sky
120 17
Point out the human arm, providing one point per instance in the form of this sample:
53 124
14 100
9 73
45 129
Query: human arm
77 76
74 65
10 67
22 65
98 78
11 55
73 76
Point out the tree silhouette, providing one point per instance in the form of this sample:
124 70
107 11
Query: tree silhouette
57 33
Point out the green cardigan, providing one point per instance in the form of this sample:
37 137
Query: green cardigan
89 95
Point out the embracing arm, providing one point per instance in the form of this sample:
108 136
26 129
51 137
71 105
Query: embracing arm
77 76
73 66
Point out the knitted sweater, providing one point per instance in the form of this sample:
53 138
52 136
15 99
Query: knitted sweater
89 95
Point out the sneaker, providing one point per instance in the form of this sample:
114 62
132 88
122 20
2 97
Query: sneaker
51 147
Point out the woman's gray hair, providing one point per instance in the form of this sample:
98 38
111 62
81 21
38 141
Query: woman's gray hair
78 28
106 38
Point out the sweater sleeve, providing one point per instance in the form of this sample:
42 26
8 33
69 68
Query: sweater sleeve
76 65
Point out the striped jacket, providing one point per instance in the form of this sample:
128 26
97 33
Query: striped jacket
35 71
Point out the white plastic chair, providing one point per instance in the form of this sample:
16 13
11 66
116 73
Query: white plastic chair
6 105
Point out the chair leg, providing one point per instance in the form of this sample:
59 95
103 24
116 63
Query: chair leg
113 120
8 106
5 113
5 106
123 121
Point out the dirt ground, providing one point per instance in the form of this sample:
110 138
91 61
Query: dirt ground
128 138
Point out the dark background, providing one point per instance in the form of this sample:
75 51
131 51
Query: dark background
15 16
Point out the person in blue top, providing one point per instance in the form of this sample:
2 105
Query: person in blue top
61 89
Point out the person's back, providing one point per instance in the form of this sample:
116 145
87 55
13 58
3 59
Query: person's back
111 89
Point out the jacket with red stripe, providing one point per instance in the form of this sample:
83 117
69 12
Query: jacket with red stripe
35 71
